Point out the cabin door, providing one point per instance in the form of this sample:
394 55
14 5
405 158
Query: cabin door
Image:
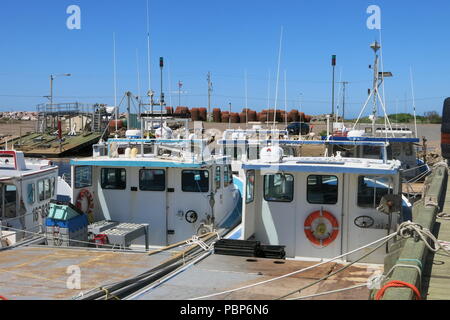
319 215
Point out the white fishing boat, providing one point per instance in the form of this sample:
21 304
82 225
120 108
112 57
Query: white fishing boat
26 188
172 185
320 208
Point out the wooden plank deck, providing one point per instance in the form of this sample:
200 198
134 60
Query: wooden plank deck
438 277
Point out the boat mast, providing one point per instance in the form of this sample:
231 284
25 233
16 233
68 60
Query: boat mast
278 80
375 46
115 81
414 101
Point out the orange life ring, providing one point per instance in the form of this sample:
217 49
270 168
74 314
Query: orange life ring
90 199
316 228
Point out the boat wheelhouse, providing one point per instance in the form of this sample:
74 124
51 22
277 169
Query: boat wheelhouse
26 189
176 189
402 148
322 207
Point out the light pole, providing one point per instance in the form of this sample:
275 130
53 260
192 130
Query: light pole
52 77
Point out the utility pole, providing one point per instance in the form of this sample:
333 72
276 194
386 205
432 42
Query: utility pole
161 66
180 85
210 90
229 120
333 64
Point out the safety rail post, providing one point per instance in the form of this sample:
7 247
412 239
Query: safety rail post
415 251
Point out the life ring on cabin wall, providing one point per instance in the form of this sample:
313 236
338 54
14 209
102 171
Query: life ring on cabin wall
86 194
321 228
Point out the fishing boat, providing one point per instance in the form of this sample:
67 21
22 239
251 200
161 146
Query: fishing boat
173 185
26 188
321 207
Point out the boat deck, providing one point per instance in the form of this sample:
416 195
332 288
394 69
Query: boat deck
438 278
220 273
41 273
45 145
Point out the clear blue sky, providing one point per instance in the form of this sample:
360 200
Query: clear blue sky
226 38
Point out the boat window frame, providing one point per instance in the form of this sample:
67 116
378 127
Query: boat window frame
161 189
48 188
41 190
227 175
250 183
78 184
378 179
279 201
218 177
33 189
322 176
102 184
198 184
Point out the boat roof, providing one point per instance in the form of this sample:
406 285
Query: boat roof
328 165
149 161
380 143
13 166
372 139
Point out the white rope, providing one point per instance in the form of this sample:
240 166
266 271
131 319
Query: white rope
329 292
415 168
445 245
443 216
417 178
196 240
409 229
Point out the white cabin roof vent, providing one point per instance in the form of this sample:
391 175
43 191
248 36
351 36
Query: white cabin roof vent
272 154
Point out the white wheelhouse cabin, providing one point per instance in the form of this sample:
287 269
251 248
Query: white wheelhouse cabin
26 189
403 149
320 208
176 189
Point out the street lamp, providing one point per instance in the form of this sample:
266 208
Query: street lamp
52 77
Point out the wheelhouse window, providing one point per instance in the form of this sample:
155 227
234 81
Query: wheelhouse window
371 152
408 147
10 201
47 189
152 180
250 187
53 186
195 181
323 189
41 190
218 177
227 176
113 179
83 177
31 193
279 188
372 189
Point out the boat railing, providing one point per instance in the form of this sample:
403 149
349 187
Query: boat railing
189 149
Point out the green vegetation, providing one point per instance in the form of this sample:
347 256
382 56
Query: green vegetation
431 117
